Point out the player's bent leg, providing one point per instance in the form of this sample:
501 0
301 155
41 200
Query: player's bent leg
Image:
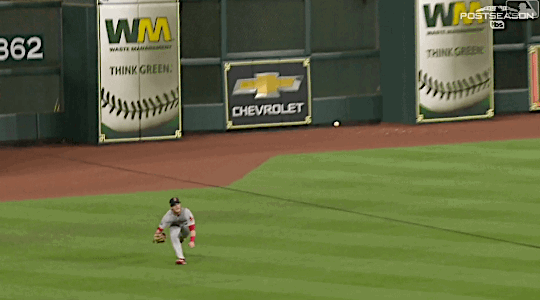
175 241
184 233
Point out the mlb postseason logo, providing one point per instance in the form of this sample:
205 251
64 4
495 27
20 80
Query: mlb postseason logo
513 10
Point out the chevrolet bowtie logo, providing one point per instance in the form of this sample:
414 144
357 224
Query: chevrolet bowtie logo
267 85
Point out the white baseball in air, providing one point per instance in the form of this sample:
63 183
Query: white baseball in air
454 69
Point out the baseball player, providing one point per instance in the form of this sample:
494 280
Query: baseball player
182 224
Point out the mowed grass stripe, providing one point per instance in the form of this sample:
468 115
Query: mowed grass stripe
265 286
173 290
370 276
324 232
388 171
366 184
424 158
411 161
262 238
26 291
398 266
400 240
244 290
108 258
462 208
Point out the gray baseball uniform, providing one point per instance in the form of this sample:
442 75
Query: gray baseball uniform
179 227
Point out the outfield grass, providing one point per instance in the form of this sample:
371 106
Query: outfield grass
311 226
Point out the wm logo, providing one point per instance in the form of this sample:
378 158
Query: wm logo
140 29
451 17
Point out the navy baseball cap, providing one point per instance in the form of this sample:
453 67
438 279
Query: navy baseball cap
174 201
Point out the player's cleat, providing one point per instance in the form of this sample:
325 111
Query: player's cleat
181 261
181 239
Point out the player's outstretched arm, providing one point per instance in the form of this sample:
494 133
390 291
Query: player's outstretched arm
192 234
191 225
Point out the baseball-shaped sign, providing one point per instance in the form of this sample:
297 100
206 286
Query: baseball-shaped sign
139 70
125 114
454 55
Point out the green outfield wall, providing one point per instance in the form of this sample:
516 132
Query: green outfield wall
357 50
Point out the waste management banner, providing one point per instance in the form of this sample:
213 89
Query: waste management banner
139 71
454 61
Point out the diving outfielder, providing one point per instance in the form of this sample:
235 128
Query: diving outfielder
182 224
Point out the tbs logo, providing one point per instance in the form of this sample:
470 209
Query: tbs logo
496 24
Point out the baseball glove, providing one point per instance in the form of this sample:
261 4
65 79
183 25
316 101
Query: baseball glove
160 237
